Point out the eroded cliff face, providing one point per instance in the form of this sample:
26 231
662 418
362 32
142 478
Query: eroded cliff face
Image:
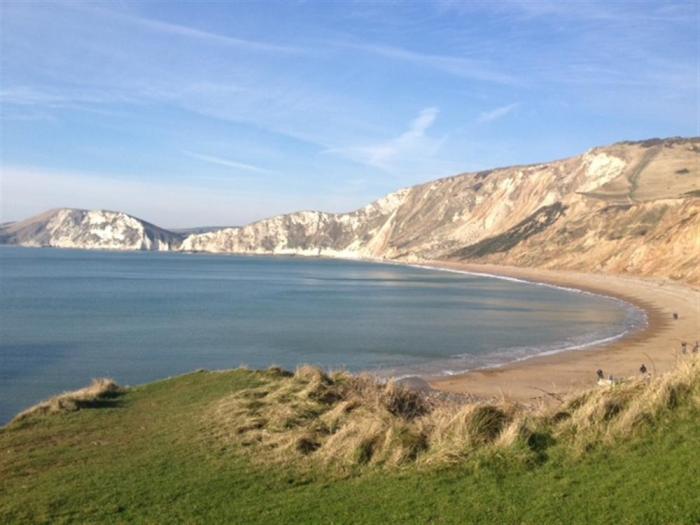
355 234
636 209
660 238
97 230
629 207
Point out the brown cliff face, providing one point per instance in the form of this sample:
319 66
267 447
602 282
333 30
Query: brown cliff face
630 207
625 208
643 221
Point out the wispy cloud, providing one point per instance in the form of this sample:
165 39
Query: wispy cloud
458 66
495 114
590 10
122 87
231 83
414 143
189 32
31 96
228 163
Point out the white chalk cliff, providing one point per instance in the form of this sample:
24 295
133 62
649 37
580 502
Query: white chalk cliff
629 207
90 230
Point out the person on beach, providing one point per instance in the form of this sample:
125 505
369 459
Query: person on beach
684 347
602 381
643 369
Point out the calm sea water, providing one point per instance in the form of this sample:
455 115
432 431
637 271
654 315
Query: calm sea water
68 316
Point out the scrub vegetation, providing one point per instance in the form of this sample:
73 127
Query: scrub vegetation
347 421
273 446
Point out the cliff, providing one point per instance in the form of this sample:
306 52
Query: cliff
91 230
629 207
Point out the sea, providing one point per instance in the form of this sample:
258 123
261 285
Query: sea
67 316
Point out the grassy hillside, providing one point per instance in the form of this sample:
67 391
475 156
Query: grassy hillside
151 455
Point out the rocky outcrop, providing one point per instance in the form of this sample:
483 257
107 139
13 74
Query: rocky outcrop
629 207
98 230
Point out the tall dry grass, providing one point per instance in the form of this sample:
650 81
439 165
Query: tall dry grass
606 414
345 420
99 391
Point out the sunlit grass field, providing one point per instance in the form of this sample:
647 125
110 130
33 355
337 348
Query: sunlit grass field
152 455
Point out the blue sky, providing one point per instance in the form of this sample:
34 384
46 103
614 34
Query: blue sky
220 113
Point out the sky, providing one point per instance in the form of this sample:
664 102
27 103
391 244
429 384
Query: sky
222 113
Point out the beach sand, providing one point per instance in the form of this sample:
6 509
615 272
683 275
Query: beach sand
658 345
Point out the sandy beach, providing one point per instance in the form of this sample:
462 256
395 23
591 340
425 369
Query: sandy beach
658 345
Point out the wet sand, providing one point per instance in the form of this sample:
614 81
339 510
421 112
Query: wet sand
658 345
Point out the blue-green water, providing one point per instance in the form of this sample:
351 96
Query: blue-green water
68 316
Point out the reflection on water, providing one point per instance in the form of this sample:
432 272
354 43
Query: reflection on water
68 316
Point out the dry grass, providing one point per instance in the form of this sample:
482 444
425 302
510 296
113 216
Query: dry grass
349 420
346 421
620 411
98 392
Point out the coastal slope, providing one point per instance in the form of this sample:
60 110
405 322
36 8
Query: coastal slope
626 208
185 450
631 207
90 230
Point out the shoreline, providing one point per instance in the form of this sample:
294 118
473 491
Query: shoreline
657 344
574 346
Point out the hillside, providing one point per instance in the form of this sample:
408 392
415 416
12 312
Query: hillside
632 207
268 447
91 230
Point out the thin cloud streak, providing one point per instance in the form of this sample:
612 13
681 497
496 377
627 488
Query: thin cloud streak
227 162
495 114
412 145
458 66
190 32
591 10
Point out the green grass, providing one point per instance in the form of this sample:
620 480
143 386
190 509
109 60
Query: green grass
144 457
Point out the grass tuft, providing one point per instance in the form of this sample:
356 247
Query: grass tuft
97 394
